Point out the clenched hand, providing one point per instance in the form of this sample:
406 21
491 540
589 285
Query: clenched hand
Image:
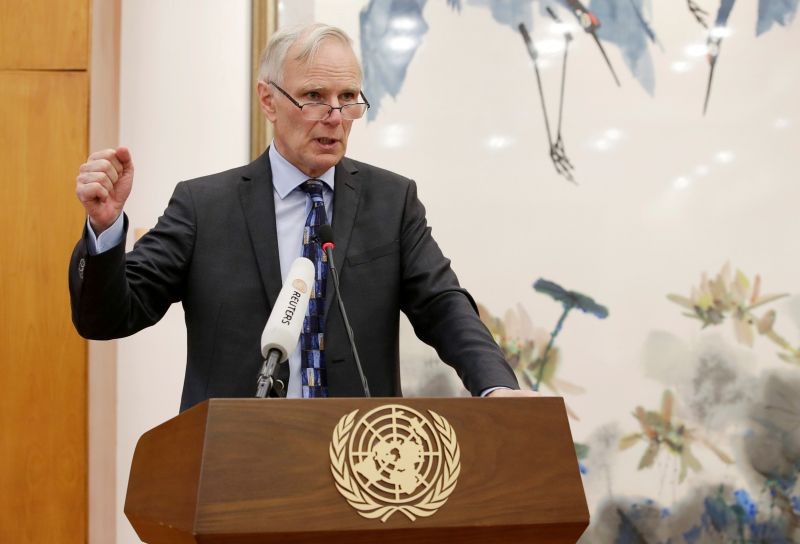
103 185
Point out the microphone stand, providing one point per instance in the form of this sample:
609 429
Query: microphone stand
265 379
328 248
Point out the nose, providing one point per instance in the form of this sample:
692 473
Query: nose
334 117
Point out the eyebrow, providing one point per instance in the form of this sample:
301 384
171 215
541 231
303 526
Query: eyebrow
321 88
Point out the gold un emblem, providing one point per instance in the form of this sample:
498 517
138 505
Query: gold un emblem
395 459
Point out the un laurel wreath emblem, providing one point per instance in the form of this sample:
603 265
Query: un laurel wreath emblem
395 459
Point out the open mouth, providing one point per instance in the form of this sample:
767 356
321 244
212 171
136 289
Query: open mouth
326 141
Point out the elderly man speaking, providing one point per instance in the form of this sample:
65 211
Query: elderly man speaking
226 241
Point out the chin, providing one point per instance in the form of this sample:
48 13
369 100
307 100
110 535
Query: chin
326 162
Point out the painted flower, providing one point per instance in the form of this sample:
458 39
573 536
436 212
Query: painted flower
735 296
570 299
658 428
524 347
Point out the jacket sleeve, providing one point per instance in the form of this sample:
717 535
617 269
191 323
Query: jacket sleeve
114 294
443 314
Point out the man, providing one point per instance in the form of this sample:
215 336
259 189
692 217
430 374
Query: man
226 240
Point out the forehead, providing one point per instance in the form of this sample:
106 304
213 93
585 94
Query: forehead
334 63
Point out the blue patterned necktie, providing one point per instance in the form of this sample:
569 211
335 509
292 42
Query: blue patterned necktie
312 339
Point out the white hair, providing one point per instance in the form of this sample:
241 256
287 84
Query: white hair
309 37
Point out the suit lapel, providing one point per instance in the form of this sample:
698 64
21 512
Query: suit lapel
258 205
345 203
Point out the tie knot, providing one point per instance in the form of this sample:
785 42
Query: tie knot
313 187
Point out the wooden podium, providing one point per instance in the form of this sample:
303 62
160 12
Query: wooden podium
260 471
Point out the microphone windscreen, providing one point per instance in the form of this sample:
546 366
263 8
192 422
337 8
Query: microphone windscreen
325 233
286 319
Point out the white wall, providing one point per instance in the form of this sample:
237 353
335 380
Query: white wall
665 194
184 112
632 232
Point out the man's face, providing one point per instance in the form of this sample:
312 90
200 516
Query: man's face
332 77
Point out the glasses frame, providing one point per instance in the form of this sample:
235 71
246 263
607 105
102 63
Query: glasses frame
331 108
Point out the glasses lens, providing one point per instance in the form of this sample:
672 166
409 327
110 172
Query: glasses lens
354 111
315 112
318 112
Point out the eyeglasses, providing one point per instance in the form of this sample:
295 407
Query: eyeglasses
317 111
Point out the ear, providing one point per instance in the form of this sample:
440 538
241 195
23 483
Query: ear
266 99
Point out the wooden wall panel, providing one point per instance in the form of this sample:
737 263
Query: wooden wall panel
44 34
43 443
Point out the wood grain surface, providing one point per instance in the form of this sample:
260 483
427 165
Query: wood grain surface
169 464
266 475
43 137
44 34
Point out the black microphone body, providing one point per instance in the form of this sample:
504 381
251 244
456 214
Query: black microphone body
265 377
326 239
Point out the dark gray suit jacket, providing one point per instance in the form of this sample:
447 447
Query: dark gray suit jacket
215 250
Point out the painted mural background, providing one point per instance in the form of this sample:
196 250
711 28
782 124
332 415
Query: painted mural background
685 399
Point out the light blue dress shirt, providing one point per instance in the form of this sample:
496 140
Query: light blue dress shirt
292 206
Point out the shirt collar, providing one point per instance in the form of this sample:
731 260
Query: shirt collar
286 177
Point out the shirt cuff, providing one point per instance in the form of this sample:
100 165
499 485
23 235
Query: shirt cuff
488 390
111 237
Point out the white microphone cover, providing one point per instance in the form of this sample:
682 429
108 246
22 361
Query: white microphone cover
286 320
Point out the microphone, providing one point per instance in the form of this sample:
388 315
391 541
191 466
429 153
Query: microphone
326 239
285 323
